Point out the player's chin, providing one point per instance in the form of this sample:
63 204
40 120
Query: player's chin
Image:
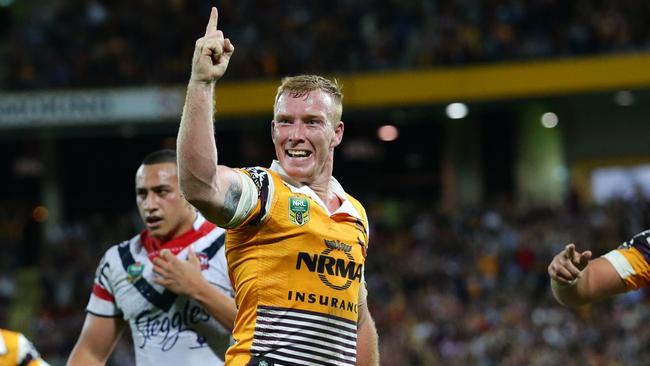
299 172
159 232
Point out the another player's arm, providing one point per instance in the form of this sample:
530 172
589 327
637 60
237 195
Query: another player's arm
97 340
367 338
577 281
213 189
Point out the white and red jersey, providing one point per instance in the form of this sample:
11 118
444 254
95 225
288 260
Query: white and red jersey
167 329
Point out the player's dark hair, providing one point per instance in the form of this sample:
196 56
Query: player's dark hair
160 156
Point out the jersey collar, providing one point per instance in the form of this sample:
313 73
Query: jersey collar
346 206
153 246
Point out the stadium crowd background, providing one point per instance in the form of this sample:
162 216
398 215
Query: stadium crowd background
467 287
89 43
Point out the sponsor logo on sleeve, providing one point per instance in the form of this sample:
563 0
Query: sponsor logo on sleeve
259 177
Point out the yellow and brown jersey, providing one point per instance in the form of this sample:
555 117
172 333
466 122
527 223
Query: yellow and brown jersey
632 261
297 270
16 350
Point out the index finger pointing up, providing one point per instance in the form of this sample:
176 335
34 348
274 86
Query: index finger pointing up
212 23
570 251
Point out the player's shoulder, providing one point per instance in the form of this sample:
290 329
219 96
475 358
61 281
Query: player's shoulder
259 175
356 202
115 251
642 238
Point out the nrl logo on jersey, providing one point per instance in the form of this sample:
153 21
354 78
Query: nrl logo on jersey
134 272
299 210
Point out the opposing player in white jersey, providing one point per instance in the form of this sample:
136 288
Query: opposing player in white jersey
182 317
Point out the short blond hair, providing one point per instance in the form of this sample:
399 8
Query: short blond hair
301 85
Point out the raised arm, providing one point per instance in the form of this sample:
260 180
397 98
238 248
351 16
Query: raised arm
577 281
96 341
213 189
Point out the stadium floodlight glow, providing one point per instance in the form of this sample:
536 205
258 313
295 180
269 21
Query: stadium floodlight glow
456 110
624 98
6 3
549 120
387 133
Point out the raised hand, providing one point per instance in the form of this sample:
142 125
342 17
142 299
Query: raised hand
211 53
566 266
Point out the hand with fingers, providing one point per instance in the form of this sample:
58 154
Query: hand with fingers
567 266
179 276
212 53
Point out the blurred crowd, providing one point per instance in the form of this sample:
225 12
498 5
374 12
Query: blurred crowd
472 289
445 289
91 43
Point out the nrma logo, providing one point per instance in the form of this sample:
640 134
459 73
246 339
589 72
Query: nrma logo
331 269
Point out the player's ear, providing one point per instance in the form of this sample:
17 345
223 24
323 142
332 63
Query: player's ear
273 130
338 134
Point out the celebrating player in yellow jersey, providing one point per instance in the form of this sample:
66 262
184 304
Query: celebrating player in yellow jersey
16 350
576 281
296 241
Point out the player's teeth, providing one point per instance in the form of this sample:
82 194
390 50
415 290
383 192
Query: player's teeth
297 153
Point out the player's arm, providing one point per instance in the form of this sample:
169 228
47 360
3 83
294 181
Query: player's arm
367 339
185 278
577 281
98 337
213 189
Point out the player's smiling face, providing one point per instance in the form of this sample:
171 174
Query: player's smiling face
165 212
305 136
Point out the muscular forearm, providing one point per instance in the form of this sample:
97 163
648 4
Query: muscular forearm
597 281
197 153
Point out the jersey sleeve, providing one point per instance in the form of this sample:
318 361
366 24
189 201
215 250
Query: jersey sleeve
632 261
102 299
255 200
27 353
